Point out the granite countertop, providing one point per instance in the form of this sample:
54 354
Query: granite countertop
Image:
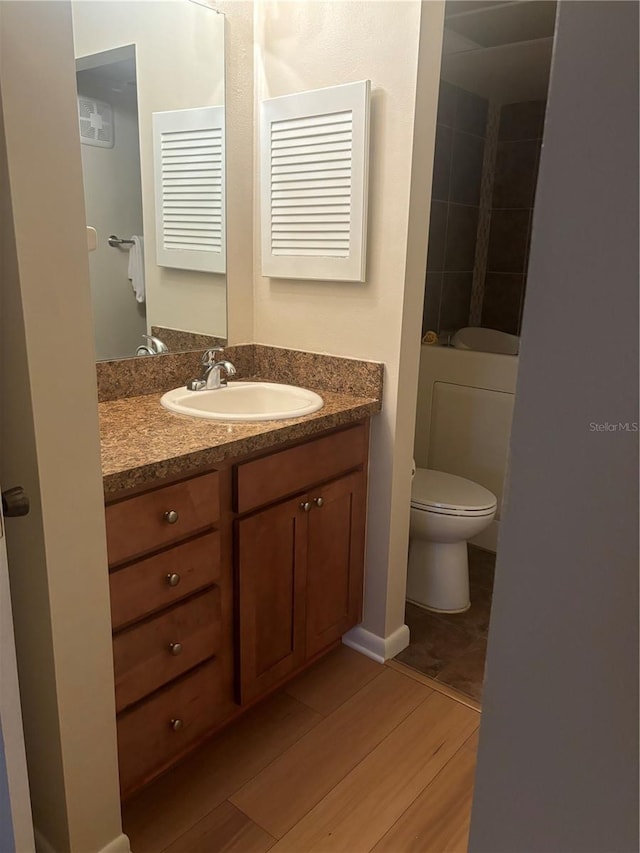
142 442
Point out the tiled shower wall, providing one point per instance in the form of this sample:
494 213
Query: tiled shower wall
514 183
457 175
508 177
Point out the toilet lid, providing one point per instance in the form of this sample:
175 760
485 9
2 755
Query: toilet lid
436 490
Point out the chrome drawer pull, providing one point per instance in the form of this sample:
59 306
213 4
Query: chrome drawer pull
175 648
176 725
173 579
171 516
305 506
318 502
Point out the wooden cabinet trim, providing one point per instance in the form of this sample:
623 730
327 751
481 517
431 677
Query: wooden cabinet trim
142 524
277 475
141 588
147 745
271 573
143 660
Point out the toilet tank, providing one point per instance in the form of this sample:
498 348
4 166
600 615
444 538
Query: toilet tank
463 423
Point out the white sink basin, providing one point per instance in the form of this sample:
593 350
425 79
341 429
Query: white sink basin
244 401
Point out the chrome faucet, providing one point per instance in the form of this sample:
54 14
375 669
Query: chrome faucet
154 346
211 378
214 380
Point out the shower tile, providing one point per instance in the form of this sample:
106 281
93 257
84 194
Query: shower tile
437 236
442 163
466 169
432 293
456 300
462 226
447 103
515 173
501 306
471 113
508 238
522 121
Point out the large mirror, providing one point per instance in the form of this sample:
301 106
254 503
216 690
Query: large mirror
150 77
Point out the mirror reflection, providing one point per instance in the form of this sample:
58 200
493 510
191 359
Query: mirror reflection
150 80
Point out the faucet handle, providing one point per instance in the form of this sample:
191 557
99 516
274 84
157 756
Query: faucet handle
154 345
210 355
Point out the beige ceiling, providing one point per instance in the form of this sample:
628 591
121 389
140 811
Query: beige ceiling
500 50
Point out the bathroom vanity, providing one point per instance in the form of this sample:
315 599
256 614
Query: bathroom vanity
227 577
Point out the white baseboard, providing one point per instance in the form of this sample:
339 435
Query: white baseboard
120 844
378 648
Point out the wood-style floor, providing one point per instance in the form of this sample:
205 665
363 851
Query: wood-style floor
350 757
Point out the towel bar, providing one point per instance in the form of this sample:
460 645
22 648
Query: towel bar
116 242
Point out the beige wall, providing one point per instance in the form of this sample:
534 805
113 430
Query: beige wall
57 555
303 46
180 64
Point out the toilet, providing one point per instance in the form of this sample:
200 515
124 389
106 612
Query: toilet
446 511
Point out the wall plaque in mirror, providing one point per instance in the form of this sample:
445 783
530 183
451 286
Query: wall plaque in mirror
136 59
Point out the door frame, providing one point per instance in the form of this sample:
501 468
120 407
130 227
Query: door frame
11 734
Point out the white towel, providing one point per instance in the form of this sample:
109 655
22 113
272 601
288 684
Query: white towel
136 268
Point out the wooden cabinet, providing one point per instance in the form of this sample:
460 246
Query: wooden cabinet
161 516
225 584
300 562
171 585
335 560
155 733
271 556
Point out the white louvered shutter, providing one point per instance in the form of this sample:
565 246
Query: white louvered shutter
190 189
314 172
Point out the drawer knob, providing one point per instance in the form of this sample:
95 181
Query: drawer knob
173 579
305 506
175 648
318 501
171 516
176 725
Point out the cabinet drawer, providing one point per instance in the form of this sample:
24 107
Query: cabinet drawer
156 651
147 740
149 521
165 578
280 474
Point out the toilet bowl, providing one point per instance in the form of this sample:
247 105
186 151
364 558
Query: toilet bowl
446 511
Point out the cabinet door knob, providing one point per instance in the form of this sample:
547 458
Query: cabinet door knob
318 501
176 724
305 506
175 648
171 516
173 579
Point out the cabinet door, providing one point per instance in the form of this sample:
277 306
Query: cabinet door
335 560
272 578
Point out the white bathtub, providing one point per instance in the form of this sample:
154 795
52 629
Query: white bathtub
463 423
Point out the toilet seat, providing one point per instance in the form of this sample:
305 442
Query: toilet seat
448 494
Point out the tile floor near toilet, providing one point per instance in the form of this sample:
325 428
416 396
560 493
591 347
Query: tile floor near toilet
452 648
